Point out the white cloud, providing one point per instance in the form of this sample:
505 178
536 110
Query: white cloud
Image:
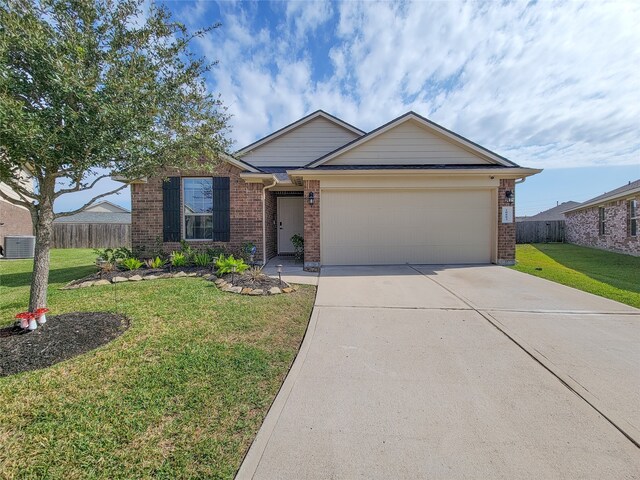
545 84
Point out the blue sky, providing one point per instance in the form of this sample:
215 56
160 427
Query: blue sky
553 85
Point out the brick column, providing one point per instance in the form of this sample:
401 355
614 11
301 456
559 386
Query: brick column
312 226
506 232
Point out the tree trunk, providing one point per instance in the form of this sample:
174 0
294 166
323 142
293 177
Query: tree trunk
43 226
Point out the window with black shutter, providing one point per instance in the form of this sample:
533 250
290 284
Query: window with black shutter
206 213
171 209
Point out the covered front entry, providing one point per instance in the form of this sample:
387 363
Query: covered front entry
290 222
396 226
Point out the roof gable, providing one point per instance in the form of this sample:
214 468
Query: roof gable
106 207
300 142
554 213
411 140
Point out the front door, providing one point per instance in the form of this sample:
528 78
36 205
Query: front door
290 222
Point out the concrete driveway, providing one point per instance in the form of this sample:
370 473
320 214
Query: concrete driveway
456 372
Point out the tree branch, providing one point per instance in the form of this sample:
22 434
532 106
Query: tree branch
90 202
17 187
15 201
79 188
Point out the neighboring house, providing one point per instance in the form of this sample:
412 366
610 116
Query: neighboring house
552 214
101 212
609 221
408 191
14 219
100 225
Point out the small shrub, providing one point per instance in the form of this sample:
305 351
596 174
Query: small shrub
131 263
201 259
216 252
298 246
106 267
178 259
114 256
187 250
154 262
255 273
224 264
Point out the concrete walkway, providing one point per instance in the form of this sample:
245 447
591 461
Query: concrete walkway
475 372
292 271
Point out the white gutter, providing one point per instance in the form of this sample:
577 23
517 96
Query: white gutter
264 220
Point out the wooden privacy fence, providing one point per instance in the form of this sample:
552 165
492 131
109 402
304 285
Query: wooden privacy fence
540 231
91 235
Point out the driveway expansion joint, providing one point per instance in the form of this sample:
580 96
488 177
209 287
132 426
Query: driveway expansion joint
569 382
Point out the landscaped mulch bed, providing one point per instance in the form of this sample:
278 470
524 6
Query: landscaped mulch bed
62 337
246 281
143 273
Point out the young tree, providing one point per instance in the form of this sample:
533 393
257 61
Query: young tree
93 88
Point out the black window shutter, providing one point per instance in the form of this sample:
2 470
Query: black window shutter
171 209
221 209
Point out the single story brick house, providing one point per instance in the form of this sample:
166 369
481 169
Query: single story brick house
609 221
409 191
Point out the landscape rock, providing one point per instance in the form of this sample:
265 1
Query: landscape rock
275 291
287 290
135 278
151 277
220 281
211 278
86 284
119 279
257 291
235 289
192 274
98 283
179 274
246 291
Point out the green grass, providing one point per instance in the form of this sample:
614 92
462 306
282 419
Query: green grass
181 394
610 275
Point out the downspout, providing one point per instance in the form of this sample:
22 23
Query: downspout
520 180
264 220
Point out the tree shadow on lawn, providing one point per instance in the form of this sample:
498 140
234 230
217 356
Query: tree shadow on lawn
614 269
58 275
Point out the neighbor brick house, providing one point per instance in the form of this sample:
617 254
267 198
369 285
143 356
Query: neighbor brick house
609 221
409 191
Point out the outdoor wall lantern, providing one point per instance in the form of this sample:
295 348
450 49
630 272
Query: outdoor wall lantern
508 195
312 197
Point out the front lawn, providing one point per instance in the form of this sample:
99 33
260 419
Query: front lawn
610 275
181 394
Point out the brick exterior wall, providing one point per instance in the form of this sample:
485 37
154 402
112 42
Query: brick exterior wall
312 225
16 221
582 228
245 204
506 232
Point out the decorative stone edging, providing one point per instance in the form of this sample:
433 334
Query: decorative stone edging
225 286
221 283
134 278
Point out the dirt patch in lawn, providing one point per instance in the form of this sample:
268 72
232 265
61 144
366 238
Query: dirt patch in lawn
61 338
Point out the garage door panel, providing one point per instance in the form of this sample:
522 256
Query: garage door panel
400 226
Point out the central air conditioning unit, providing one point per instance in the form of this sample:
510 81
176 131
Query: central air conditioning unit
19 246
